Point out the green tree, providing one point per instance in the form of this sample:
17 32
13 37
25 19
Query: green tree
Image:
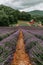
4 21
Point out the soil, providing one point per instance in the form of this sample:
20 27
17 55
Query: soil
20 57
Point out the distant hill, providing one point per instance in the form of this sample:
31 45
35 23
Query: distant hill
36 12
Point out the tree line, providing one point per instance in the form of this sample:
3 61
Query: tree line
10 16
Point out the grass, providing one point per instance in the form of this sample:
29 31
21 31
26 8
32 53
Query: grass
23 23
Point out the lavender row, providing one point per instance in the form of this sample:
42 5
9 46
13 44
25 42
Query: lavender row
8 46
34 48
30 27
4 30
37 33
36 54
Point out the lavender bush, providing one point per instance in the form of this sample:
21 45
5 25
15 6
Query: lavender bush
34 48
7 47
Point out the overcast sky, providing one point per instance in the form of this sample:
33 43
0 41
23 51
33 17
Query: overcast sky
24 5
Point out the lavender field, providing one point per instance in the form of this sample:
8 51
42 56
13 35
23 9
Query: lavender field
33 39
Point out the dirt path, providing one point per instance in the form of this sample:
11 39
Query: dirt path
20 57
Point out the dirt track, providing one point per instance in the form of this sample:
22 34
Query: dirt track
20 57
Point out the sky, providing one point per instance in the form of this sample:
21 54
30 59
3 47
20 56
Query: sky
24 5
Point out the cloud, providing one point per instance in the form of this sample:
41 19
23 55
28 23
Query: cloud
36 7
24 5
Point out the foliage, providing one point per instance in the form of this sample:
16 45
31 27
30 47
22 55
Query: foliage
10 16
24 16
